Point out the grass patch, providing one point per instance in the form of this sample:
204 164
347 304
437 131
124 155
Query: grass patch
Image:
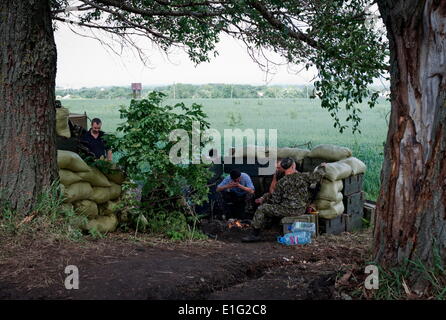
297 121
394 282
50 218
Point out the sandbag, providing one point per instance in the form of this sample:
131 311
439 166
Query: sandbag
337 171
117 176
357 165
62 128
78 191
322 204
330 152
86 208
103 223
330 191
334 211
294 153
71 161
115 191
95 177
100 194
108 208
66 207
68 177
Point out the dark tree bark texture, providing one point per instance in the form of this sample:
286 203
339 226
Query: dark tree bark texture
411 216
27 111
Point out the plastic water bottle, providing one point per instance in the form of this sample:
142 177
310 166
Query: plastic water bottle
303 226
298 237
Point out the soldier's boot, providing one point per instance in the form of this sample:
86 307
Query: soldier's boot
253 237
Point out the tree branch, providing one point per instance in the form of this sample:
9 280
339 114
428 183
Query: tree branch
279 25
167 13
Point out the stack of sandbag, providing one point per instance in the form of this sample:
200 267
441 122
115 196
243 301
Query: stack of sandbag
329 200
91 193
251 151
62 127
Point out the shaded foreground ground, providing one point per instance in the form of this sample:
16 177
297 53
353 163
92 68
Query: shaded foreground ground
124 267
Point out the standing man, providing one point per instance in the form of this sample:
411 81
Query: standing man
291 196
238 193
93 139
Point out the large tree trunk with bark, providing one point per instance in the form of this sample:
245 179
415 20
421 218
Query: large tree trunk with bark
411 217
27 109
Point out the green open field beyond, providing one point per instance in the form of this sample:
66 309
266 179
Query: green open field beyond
298 121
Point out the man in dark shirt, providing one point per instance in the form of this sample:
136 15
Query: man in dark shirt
93 140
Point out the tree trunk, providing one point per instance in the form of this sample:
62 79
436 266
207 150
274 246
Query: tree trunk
411 218
27 109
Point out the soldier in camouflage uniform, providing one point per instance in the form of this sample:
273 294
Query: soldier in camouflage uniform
290 198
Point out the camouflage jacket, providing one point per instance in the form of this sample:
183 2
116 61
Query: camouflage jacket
293 190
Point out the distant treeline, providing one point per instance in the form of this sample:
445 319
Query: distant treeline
185 91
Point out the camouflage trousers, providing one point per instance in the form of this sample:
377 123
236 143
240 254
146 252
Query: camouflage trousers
267 211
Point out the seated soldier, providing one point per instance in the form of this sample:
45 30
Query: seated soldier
276 177
290 198
238 192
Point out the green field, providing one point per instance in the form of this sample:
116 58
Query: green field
297 121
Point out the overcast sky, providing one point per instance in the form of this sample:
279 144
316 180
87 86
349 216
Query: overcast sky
84 62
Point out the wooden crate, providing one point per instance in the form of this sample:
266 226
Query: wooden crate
352 184
333 226
354 210
79 119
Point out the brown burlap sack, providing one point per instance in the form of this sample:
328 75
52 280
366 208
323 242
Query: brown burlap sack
330 152
337 171
330 191
100 195
115 191
108 208
62 128
116 176
68 177
103 224
78 191
71 161
86 208
95 177
335 210
357 165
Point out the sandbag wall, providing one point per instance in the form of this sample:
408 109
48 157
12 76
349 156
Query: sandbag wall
330 200
89 191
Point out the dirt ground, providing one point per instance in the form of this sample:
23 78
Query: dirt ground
121 266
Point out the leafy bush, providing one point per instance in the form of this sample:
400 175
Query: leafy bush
167 188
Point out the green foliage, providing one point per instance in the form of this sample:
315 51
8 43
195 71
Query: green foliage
352 56
335 36
393 280
50 216
144 146
311 124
